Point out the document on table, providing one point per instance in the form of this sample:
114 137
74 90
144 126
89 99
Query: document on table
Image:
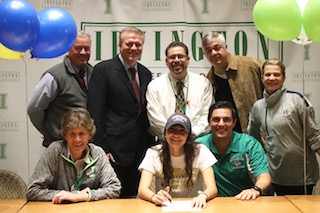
179 206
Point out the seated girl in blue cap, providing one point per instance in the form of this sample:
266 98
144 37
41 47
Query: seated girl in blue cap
180 167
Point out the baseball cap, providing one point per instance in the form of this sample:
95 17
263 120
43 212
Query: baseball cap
180 119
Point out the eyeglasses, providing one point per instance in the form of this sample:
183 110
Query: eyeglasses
130 44
179 56
216 48
177 131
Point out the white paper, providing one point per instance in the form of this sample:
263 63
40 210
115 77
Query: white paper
179 206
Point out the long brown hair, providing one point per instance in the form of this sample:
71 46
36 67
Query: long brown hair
190 151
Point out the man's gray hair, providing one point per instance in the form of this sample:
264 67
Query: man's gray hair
206 39
83 34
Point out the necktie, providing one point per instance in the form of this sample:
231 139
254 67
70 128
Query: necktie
180 98
81 81
135 85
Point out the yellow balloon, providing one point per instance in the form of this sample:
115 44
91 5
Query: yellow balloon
6 53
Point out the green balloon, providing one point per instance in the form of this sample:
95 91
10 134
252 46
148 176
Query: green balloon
311 20
279 20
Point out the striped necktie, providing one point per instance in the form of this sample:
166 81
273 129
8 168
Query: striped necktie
180 98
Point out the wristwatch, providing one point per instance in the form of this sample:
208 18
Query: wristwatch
257 188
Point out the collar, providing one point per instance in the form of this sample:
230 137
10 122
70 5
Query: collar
73 68
223 76
184 80
232 62
85 158
272 99
126 66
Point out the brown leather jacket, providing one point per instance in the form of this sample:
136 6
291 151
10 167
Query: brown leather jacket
244 77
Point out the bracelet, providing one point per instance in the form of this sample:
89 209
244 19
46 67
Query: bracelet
89 195
257 188
202 192
152 196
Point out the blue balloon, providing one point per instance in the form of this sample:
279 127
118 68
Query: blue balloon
19 24
58 32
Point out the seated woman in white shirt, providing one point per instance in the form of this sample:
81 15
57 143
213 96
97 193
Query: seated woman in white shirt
180 167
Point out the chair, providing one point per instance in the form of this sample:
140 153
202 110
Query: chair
316 188
12 186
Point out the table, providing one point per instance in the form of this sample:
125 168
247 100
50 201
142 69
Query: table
305 203
111 206
218 205
10 206
262 204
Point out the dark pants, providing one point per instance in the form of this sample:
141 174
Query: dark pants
129 177
292 190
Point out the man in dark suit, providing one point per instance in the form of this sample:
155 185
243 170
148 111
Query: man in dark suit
117 103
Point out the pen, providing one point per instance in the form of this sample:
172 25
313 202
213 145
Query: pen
165 190
169 200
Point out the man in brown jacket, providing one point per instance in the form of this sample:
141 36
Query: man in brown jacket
236 79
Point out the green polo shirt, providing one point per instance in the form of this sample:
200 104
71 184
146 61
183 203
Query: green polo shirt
237 167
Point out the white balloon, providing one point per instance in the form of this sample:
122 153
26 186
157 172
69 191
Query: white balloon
302 39
302 4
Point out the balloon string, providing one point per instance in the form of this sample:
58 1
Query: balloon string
304 124
27 121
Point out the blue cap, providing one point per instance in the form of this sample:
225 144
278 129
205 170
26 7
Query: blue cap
180 119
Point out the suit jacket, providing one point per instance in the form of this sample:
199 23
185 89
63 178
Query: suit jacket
121 126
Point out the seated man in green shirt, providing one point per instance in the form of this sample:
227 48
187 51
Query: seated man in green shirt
242 167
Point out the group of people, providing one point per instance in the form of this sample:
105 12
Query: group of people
189 135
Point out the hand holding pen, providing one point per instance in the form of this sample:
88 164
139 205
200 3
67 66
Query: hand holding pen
161 196
167 190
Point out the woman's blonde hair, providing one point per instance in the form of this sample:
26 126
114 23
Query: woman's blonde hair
78 117
276 62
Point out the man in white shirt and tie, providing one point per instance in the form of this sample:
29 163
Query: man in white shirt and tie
163 99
